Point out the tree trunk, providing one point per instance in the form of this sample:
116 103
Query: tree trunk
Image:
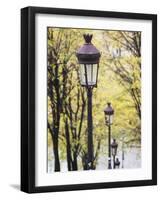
85 162
68 148
74 162
56 153
57 120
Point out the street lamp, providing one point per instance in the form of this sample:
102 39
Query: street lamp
114 146
109 112
88 57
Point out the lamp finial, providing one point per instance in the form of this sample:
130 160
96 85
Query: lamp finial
87 38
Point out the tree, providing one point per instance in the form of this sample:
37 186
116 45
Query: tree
59 54
124 51
74 121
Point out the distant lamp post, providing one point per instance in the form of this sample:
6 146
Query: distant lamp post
116 53
88 57
109 112
114 146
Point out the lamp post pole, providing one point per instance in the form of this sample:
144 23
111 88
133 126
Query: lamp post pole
90 128
109 146
122 154
114 161
114 146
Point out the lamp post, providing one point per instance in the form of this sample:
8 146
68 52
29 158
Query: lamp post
109 112
114 146
88 57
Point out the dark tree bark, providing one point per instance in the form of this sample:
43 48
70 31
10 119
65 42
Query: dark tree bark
85 161
75 131
68 146
74 162
56 153
53 84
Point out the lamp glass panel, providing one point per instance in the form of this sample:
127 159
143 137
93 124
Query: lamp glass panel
95 68
91 73
109 119
113 151
91 76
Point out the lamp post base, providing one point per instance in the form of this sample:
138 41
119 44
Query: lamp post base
109 164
